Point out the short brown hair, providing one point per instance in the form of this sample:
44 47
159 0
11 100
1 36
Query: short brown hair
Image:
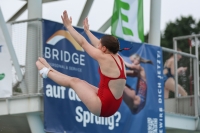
111 43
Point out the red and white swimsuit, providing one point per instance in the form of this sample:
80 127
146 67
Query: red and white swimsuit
109 104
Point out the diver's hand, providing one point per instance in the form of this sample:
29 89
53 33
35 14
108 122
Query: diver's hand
86 25
66 20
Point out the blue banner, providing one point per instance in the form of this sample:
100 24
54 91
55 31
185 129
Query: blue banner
142 109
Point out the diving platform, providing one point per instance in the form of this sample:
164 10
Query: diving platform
14 111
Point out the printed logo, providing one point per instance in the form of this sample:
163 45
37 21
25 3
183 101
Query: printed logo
60 53
62 34
125 18
2 75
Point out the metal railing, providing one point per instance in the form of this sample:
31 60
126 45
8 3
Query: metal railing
195 64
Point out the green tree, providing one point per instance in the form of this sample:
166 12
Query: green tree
181 27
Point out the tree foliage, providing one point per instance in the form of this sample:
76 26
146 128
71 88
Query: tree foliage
181 27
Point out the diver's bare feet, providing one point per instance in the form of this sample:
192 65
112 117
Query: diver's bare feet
42 69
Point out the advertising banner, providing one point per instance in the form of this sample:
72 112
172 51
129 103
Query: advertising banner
142 109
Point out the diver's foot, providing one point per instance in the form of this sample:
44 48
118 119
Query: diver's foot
42 69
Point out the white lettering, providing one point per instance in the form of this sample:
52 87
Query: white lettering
56 94
62 89
74 58
82 60
61 53
159 85
160 95
158 72
55 91
49 91
158 54
88 118
158 61
73 96
78 112
47 53
65 56
55 54
111 123
159 100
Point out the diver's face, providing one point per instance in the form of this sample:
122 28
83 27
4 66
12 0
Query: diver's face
135 60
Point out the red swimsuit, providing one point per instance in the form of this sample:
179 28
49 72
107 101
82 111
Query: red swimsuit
109 104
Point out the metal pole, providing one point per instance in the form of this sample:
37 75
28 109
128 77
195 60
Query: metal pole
195 87
176 74
196 91
186 37
31 74
10 47
175 69
35 123
85 12
18 13
40 50
26 20
154 32
190 70
105 26
197 43
178 52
